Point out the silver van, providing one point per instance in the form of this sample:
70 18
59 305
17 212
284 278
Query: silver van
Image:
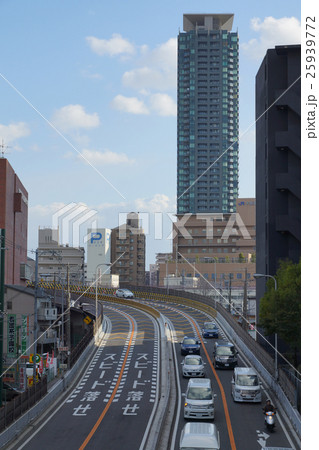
204 436
199 399
246 386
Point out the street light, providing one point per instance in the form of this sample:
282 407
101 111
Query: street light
96 280
262 275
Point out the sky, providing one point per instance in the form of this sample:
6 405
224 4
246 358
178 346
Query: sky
88 106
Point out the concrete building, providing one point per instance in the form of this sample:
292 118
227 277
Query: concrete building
18 335
207 119
278 151
98 255
153 275
128 251
226 237
14 220
55 259
215 247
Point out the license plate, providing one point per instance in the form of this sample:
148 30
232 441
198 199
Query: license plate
226 365
190 351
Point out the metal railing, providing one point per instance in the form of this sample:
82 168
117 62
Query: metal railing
13 409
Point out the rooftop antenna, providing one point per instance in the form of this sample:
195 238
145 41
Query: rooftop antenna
3 148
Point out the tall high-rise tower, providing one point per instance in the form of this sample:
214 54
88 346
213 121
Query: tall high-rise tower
207 147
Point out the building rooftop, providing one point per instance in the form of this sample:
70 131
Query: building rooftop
208 21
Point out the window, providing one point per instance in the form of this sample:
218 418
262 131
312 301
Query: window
239 276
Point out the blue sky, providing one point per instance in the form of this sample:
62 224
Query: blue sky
103 74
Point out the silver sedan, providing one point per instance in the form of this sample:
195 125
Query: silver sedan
193 366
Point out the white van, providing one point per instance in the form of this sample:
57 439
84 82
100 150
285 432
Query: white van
246 386
204 436
199 399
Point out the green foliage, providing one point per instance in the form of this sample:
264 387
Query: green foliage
280 311
241 257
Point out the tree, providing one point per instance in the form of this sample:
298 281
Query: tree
280 311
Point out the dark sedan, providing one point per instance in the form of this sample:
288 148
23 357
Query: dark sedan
190 345
210 330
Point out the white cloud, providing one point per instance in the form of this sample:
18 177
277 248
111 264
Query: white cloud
73 117
45 210
105 158
129 104
163 104
165 55
158 203
13 131
149 78
117 45
272 32
158 68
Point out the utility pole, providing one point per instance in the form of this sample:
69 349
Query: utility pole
69 318
35 316
2 272
245 301
229 293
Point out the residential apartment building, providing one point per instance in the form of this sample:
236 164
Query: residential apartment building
207 120
278 163
14 220
217 247
128 251
18 331
56 261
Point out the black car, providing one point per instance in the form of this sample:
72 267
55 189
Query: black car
190 345
225 355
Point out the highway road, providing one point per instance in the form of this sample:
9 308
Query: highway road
240 425
113 404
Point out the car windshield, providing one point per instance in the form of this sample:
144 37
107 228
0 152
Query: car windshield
193 361
190 341
209 326
199 393
247 380
225 351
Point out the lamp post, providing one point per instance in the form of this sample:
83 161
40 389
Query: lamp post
96 280
167 276
262 275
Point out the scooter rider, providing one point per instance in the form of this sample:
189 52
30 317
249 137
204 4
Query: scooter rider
269 407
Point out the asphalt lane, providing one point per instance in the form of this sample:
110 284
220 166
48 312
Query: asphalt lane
112 404
247 420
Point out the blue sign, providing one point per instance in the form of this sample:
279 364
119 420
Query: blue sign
95 237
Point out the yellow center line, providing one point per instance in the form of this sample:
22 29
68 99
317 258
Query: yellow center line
105 410
227 416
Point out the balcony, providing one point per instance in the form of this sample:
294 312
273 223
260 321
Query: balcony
47 314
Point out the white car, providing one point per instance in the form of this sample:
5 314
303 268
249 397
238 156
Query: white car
193 366
245 385
124 293
197 435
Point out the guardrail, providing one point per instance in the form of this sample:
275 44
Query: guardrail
14 409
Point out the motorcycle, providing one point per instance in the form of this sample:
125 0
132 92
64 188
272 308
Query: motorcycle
270 420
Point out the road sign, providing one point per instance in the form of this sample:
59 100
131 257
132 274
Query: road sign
87 319
37 358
